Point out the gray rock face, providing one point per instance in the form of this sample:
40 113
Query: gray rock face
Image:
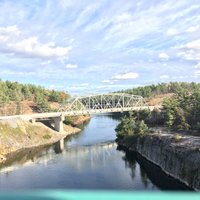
178 156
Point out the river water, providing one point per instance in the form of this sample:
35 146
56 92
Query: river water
88 160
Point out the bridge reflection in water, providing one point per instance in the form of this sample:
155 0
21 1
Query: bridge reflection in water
100 152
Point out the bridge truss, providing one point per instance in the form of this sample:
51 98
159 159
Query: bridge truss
103 103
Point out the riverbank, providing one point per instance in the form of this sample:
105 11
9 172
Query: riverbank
77 120
18 134
177 155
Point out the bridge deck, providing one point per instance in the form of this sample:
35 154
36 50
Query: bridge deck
73 113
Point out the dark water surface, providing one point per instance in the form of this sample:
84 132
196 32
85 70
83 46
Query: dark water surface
89 160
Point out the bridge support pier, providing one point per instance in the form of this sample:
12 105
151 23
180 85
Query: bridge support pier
58 123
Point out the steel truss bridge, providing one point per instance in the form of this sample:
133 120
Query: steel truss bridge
104 103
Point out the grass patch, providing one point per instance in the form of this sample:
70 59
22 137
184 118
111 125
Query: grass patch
5 129
47 136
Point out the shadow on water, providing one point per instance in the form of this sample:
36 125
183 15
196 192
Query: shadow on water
149 171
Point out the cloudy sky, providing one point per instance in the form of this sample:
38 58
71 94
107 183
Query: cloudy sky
95 46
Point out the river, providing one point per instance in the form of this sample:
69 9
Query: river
88 160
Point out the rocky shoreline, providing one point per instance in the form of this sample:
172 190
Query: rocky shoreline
177 155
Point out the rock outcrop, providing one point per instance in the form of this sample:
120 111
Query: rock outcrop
178 156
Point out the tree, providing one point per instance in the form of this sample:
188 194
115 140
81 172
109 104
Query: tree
63 96
42 104
143 114
180 122
54 96
169 109
26 92
131 126
3 98
141 128
125 127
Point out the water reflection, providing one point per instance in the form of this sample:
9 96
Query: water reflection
88 160
93 153
97 166
59 146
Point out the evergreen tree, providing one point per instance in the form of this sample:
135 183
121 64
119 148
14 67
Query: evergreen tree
141 128
41 103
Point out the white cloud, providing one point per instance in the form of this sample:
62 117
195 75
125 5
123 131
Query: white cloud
164 76
126 76
71 66
183 77
86 13
163 56
188 55
46 62
9 30
197 66
12 40
193 45
123 29
124 17
84 84
18 73
80 86
172 32
107 81
190 50
192 29
197 73
56 87
120 77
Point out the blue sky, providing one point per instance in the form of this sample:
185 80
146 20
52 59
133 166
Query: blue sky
97 46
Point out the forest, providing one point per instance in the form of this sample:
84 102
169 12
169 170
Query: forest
162 88
14 92
180 112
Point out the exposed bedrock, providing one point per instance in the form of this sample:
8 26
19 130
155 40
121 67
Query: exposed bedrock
178 156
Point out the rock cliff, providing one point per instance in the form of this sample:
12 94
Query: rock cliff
178 156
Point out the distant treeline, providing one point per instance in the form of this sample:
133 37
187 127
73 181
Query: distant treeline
162 88
16 92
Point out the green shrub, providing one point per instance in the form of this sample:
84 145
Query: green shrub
47 136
